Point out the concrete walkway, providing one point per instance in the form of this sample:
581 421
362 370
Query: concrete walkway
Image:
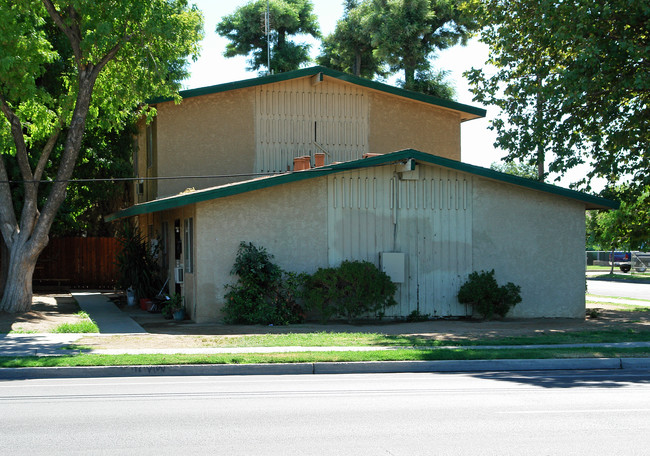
108 317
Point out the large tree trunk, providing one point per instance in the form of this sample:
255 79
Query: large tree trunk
18 293
357 63
4 264
27 237
409 76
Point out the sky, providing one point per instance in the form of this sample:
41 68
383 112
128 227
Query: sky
213 68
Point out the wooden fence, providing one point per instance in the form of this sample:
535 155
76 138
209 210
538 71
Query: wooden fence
78 262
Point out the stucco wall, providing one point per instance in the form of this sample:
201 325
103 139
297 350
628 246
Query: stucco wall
397 123
207 135
290 221
535 240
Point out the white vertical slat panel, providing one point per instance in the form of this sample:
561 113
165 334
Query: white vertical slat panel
430 220
290 115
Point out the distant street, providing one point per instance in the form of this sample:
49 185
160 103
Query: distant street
589 413
619 289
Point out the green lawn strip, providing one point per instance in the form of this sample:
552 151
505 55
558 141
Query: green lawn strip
312 357
623 277
623 307
342 339
592 296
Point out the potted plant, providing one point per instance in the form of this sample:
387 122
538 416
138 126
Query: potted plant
174 308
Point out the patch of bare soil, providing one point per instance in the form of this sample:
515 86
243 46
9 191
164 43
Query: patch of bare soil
169 334
48 311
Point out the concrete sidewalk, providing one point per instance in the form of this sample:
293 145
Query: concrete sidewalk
105 314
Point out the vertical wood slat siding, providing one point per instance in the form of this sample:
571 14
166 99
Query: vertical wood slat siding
78 262
430 219
291 115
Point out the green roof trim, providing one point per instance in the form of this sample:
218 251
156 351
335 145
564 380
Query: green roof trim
474 111
184 199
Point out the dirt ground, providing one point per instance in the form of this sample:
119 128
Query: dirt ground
50 310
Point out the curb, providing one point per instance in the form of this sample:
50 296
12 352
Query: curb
22 373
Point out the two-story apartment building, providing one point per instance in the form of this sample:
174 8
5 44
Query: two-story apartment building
385 184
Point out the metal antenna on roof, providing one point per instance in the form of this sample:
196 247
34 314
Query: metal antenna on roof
267 22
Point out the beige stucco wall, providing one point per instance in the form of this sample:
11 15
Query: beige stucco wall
534 240
397 123
207 135
290 221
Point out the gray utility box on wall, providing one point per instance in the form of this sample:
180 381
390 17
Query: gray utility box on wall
394 265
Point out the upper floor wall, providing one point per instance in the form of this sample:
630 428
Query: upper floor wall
236 130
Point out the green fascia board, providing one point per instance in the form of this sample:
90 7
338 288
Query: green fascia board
478 112
173 202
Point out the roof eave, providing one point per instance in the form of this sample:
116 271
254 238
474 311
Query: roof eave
590 201
468 112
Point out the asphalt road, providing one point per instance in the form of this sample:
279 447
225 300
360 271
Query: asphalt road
619 289
576 413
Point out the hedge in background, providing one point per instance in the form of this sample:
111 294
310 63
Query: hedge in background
264 293
349 291
488 298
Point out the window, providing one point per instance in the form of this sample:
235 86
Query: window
188 248
151 143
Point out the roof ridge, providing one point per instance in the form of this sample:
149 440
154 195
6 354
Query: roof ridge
310 71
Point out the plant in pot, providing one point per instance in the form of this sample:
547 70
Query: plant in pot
174 308
138 268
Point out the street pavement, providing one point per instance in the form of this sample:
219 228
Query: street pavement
590 413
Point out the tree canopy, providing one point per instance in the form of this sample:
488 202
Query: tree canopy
516 169
349 48
382 37
121 52
245 28
627 227
572 83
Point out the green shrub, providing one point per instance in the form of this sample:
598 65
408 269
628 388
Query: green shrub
488 298
264 293
350 290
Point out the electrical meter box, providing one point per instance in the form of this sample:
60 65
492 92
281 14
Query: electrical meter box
394 265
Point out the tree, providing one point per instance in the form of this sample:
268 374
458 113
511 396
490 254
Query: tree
349 48
406 33
122 53
103 155
516 169
626 227
433 83
381 37
572 84
245 29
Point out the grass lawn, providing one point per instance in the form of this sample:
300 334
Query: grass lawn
345 339
312 357
645 277
599 268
